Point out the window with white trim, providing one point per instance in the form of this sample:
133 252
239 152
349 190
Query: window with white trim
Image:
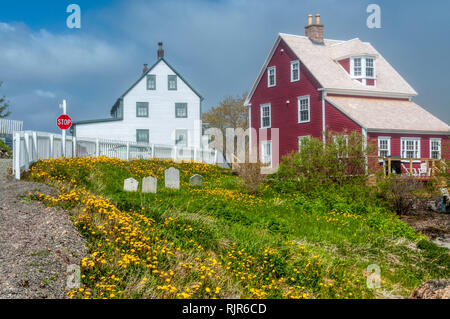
271 76
181 110
435 148
295 71
303 109
410 147
266 152
302 140
363 68
384 146
265 115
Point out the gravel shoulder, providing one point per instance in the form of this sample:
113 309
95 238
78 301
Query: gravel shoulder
37 244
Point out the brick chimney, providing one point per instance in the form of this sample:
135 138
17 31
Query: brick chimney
145 69
314 31
160 51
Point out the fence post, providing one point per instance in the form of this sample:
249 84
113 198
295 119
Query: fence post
128 151
153 150
97 147
51 147
176 153
215 156
27 151
74 146
16 163
35 147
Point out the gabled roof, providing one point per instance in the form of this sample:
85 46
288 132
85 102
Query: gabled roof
377 114
322 61
145 74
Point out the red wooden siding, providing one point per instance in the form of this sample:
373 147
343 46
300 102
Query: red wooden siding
336 121
345 64
283 116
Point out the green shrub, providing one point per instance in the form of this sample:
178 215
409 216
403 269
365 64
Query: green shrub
5 150
340 160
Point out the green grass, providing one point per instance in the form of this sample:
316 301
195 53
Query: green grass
321 242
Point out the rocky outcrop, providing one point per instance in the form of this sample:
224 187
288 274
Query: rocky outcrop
433 289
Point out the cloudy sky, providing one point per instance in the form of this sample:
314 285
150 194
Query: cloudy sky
218 46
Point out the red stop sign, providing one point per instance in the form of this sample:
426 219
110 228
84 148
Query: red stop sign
64 122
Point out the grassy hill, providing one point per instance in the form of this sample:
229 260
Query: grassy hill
218 241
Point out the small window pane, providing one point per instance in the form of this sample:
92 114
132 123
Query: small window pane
142 136
303 109
172 82
141 109
151 82
180 110
357 67
295 75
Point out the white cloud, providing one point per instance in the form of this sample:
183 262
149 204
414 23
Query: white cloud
46 94
5 27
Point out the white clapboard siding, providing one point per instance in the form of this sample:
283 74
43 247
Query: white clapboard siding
161 121
30 147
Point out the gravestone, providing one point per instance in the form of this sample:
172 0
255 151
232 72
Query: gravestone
149 184
130 185
196 180
172 178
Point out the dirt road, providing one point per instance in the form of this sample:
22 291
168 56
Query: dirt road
37 244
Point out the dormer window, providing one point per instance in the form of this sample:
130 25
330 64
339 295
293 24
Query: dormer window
363 69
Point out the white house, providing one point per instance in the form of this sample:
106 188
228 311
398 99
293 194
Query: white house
161 107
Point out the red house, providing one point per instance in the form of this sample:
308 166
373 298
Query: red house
309 84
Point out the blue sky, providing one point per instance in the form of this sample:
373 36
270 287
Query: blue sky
218 46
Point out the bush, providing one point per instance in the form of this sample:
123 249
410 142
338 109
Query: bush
400 193
251 177
5 150
340 160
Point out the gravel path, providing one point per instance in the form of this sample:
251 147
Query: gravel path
36 243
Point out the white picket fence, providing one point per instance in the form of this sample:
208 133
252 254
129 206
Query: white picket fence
31 146
10 126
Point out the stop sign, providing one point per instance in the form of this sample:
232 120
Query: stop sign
64 122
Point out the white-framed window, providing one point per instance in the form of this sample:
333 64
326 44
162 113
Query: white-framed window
370 68
410 147
266 152
295 70
265 116
363 68
141 109
341 141
303 109
357 69
384 146
435 148
302 140
271 76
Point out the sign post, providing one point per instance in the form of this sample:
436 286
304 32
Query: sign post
64 122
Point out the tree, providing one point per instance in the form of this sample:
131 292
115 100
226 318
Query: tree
3 106
230 113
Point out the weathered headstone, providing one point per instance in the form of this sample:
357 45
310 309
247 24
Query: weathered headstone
149 184
172 178
130 185
196 180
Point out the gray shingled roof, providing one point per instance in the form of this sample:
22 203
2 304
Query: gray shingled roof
387 114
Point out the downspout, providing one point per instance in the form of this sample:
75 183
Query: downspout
366 159
324 95
250 132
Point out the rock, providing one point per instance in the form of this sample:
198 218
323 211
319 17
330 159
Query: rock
130 185
433 289
149 184
172 178
196 180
